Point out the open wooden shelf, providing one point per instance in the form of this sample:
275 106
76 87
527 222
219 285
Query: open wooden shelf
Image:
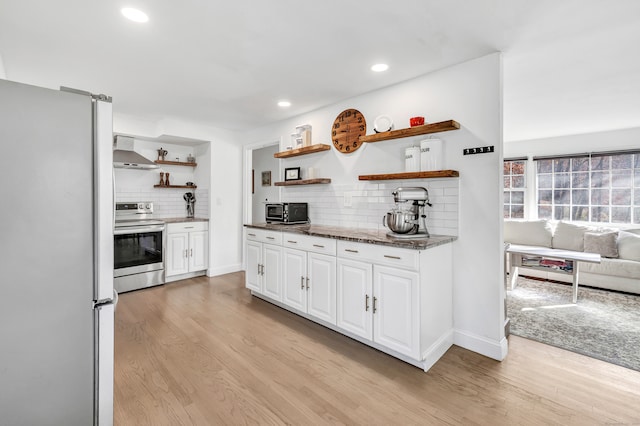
412 175
176 163
442 126
302 151
176 186
304 182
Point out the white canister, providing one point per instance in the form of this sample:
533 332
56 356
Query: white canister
431 155
412 159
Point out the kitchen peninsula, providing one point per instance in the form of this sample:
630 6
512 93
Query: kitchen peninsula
392 294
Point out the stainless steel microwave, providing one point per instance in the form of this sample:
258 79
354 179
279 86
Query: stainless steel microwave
286 213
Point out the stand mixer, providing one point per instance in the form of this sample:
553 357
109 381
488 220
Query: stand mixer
408 219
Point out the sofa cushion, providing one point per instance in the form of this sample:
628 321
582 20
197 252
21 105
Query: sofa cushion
604 243
530 233
569 236
629 246
613 267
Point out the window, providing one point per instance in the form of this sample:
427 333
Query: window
514 186
590 188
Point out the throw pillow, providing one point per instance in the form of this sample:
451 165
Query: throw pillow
569 236
629 246
529 233
603 243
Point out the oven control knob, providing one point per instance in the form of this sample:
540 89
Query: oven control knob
140 206
147 206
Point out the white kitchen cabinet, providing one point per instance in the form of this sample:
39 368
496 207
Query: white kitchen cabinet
354 291
186 250
310 283
398 300
264 263
379 303
395 309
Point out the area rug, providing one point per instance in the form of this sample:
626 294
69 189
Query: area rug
603 324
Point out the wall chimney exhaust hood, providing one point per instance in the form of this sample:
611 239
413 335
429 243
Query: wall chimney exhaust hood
124 157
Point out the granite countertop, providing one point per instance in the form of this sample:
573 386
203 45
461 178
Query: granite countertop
183 219
369 236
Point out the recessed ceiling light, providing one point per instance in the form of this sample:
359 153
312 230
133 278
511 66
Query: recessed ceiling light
284 104
379 67
134 14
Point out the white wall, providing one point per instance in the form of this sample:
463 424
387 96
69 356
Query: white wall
3 73
470 93
590 142
263 161
221 169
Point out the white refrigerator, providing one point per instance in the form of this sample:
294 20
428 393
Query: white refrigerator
56 257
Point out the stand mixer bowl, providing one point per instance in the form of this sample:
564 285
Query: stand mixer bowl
401 222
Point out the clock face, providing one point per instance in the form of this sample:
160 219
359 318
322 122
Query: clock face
348 126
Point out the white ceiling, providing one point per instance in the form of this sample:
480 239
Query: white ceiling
570 66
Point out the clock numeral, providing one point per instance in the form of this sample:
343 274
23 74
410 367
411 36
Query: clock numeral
335 142
334 133
348 114
341 146
355 144
361 127
336 126
348 148
359 119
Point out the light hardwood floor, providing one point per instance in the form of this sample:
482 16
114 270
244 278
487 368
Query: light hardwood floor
205 352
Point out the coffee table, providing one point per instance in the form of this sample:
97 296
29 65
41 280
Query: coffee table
516 252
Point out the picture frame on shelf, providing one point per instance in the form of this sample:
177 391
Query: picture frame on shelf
292 173
266 178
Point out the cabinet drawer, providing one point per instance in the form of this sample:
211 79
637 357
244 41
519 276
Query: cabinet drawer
264 236
309 243
379 254
187 227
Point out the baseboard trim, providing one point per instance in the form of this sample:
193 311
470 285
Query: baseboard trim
437 350
221 270
487 347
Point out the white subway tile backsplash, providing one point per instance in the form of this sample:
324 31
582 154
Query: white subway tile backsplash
167 202
371 201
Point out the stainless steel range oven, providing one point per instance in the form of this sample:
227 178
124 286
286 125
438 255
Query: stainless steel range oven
138 247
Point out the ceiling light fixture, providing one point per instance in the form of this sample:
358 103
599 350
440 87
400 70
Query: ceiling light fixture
284 104
134 14
379 67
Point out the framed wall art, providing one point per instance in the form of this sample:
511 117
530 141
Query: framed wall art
266 178
292 173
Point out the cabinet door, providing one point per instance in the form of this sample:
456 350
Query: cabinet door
354 297
396 319
294 292
321 292
177 260
253 279
272 271
198 250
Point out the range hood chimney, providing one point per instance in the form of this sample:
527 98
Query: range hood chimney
124 157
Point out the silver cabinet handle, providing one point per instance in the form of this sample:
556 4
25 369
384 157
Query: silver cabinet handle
392 257
262 268
351 251
191 252
292 242
366 302
375 299
188 227
307 283
270 238
186 253
302 283
251 235
318 245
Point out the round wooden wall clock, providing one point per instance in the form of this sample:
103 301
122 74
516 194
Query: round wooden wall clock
348 126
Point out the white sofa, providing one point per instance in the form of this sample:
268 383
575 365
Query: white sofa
620 251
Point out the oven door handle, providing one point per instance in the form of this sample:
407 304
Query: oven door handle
138 229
